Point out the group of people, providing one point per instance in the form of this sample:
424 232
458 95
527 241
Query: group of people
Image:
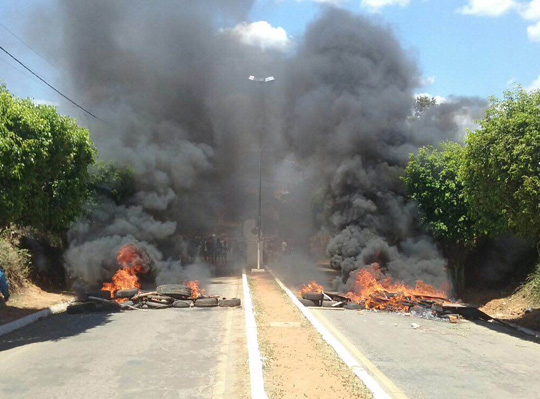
214 249
210 249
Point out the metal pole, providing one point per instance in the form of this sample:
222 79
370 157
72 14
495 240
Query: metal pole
268 79
259 243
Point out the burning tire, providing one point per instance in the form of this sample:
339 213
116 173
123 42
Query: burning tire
177 291
181 304
206 302
306 302
229 303
126 293
353 306
313 296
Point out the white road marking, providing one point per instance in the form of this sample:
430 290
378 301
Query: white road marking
342 352
255 361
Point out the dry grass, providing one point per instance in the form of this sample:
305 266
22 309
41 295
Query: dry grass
531 288
14 261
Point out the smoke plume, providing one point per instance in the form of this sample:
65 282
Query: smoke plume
170 78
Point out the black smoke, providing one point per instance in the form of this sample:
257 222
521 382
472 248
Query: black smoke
170 79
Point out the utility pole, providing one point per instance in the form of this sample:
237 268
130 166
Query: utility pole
268 79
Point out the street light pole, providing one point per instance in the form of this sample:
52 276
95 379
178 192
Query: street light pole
268 79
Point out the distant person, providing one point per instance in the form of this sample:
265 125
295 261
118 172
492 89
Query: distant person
4 288
284 246
184 251
211 247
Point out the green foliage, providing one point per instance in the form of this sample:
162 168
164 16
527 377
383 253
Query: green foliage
111 180
15 261
422 103
501 167
432 179
44 159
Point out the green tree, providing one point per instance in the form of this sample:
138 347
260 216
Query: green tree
44 159
433 181
501 167
422 103
111 180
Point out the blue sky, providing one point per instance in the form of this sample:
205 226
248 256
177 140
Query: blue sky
463 47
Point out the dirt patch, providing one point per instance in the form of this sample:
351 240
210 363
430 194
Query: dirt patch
297 362
28 300
518 308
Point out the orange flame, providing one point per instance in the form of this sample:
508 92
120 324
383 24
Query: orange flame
312 287
132 262
196 291
375 290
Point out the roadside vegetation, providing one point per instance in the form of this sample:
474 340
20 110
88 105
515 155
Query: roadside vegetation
50 178
471 193
14 260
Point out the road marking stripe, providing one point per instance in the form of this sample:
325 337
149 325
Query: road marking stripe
255 362
394 391
223 362
343 352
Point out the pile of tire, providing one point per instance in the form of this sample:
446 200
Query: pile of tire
165 296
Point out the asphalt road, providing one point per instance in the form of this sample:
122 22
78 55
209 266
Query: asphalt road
167 353
438 360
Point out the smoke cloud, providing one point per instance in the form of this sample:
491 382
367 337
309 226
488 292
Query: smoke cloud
171 80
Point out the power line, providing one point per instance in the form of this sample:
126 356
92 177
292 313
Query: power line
27 45
52 87
21 71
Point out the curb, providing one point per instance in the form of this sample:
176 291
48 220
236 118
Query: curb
24 321
255 361
524 330
342 352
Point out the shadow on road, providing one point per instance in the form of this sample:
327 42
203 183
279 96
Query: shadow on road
497 327
53 328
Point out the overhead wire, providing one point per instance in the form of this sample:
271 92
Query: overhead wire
50 86
21 71
27 45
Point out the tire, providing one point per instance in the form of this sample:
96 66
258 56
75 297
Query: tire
99 294
155 305
353 306
206 302
126 293
229 303
161 299
177 291
330 304
126 305
181 304
312 296
306 302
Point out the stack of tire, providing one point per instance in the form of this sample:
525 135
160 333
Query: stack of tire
165 296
